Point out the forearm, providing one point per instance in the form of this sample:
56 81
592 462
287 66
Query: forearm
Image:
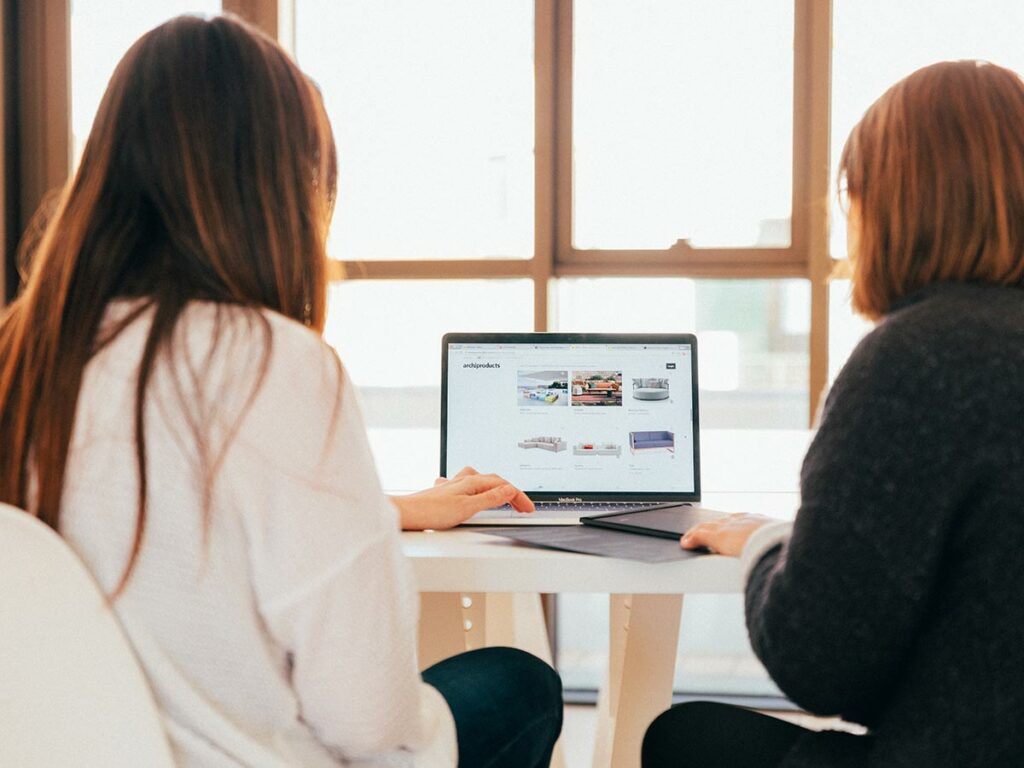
414 515
406 516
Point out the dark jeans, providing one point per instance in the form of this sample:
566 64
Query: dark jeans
710 735
507 706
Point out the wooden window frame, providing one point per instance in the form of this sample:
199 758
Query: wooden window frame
36 115
6 148
41 130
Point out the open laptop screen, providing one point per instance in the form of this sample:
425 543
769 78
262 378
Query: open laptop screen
592 416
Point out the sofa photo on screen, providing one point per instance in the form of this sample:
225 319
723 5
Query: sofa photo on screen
597 449
652 441
650 389
553 444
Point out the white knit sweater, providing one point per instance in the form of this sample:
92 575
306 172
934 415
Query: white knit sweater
282 632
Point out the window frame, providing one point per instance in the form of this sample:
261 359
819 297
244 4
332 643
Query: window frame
40 125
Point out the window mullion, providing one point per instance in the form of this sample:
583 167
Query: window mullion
812 125
43 97
546 141
259 13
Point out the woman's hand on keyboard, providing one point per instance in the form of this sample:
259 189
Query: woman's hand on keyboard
454 500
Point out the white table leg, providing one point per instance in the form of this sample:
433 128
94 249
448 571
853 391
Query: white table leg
643 638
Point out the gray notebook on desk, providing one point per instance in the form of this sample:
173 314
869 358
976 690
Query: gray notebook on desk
589 540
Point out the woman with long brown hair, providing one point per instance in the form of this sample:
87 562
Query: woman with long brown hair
167 405
893 600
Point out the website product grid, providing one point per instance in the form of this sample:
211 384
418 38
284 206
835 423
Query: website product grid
574 417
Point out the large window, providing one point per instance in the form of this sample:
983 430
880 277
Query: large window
553 151
578 169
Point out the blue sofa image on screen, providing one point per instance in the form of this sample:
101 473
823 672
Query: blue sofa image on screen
643 441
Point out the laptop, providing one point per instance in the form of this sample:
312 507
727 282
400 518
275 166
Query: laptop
585 424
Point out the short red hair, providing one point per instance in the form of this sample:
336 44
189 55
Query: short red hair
936 170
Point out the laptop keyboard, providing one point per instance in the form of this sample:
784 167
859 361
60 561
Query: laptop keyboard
590 507
561 511
594 507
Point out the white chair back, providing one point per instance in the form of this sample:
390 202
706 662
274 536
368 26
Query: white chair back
71 690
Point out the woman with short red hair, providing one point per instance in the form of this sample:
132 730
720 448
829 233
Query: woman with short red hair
893 600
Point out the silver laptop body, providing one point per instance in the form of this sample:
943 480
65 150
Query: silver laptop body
584 423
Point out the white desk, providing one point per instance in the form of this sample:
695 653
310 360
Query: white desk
481 590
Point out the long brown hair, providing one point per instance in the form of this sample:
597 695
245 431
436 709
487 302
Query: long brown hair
209 175
935 174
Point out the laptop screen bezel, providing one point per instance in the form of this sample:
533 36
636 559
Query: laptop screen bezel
581 338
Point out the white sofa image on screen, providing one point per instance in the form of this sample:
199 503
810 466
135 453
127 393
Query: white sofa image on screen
554 444
650 389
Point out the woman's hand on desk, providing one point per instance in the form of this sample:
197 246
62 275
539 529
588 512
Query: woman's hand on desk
726 535
455 500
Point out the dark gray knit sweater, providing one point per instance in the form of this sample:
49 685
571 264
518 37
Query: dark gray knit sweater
897 602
